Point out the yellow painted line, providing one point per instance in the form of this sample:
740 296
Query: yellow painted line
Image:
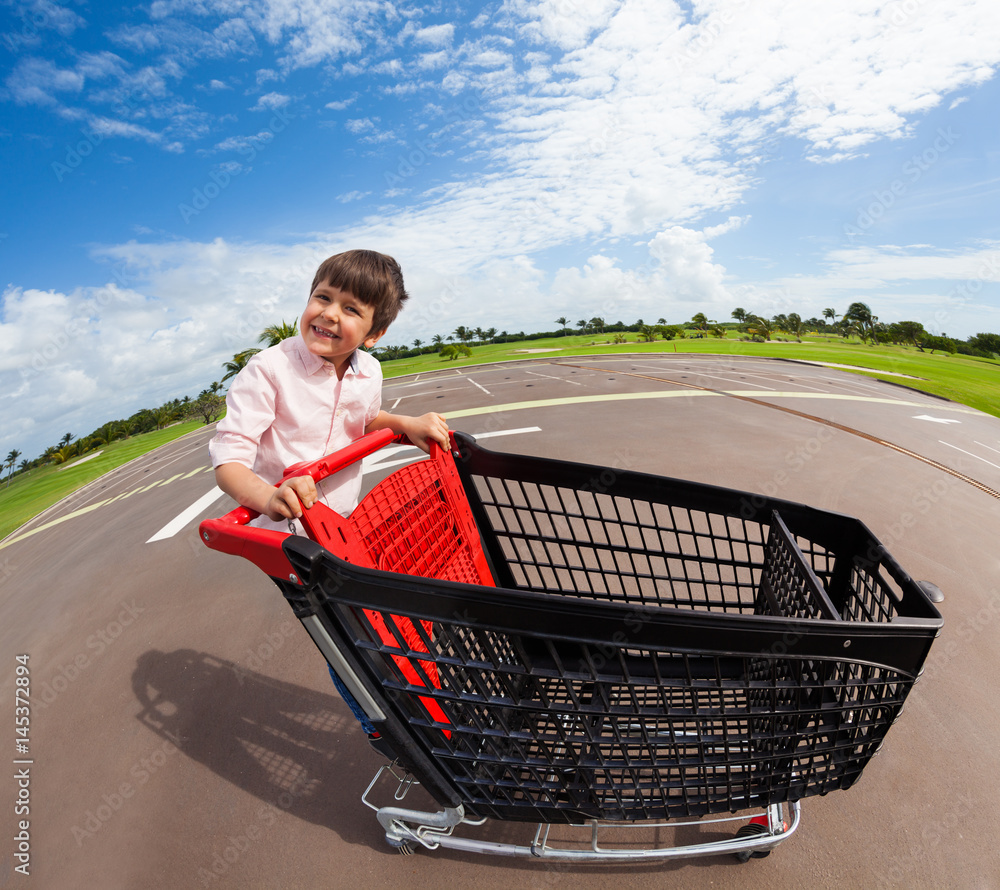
54 522
84 510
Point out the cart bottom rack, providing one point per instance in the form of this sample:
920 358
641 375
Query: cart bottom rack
536 641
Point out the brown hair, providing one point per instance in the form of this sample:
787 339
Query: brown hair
373 278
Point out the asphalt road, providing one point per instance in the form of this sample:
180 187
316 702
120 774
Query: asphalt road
183 731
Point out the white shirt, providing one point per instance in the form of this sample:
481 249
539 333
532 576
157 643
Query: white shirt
287 405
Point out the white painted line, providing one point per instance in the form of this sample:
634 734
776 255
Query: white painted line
380 460
394 404
555 377
935 419
524 429
483 388
987 447
191 513
976 456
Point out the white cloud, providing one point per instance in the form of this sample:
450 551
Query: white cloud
37 81
435 35
595 125
271 101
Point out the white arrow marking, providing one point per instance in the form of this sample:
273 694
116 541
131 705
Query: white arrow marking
192 512
935 419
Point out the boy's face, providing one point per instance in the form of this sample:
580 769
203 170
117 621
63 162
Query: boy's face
335 323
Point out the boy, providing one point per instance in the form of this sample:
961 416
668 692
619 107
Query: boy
315 393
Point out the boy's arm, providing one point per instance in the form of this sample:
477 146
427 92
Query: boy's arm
245 487
419 430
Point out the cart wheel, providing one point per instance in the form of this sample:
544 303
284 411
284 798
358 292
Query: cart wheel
751 829
406 848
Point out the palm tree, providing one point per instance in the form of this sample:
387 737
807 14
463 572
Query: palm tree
163 416
562 321
757 325
582 325
647 333
273 334
598 323
793 325
418 343
463 333
491 334
108 432
437 340
700 320
65 440
739 314
12 457
859 317
238 363
831 314
63 454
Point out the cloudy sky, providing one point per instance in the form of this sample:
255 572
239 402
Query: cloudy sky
174 171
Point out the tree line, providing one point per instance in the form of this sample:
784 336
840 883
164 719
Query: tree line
858 321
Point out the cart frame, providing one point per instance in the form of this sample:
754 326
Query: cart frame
545 642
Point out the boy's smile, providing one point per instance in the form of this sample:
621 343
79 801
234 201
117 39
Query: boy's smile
335 323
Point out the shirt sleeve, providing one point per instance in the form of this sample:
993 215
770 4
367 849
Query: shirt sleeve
375 406
250 411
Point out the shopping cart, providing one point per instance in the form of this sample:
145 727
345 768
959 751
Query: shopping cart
589 650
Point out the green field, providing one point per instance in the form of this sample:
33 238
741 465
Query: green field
30 493
970 381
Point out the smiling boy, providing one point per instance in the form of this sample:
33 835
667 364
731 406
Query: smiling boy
314 393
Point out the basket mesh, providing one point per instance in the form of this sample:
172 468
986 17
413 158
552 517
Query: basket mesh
408 525
541 730
583 720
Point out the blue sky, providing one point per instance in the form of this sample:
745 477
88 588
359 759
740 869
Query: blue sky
173 173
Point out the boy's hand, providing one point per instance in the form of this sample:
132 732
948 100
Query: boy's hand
431 427
290 497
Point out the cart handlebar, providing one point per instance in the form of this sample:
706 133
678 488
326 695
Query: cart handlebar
230 533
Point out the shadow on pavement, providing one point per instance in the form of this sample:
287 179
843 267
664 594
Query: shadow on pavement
298 750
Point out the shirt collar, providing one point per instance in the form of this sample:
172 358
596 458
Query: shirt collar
314 364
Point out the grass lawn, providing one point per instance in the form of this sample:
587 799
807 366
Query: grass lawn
969 381
30 493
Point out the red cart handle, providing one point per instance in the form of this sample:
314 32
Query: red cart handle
262 546
334 463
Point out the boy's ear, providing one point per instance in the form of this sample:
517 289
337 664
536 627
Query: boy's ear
372 339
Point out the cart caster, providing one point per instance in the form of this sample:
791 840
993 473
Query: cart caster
403 846
751 829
